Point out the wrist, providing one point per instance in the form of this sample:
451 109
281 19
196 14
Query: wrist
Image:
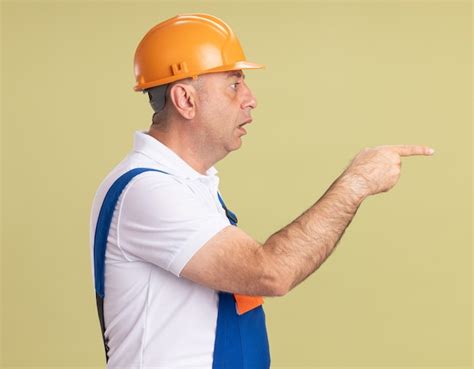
355 186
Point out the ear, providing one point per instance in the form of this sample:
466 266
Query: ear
183 97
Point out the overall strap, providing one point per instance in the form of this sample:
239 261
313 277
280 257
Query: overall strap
230 215
104 220
100 240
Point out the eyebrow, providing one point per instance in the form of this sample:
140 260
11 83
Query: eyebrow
237 74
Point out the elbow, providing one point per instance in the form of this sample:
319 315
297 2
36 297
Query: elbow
280 289
272 278
276 281
273 287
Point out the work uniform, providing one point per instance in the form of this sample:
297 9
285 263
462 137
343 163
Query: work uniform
151 317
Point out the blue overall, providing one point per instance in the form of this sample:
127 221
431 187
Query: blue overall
241 341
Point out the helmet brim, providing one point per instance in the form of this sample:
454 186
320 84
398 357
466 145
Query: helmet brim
236 66
224 68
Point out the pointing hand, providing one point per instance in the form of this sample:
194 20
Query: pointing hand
377 169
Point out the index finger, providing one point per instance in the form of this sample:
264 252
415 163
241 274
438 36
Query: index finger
409 150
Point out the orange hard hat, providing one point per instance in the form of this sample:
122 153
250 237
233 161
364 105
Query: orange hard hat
186 46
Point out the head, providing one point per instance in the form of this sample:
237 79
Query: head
211 109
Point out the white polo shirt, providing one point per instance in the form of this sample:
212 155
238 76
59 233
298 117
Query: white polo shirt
153 317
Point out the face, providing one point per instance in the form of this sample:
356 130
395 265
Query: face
224 108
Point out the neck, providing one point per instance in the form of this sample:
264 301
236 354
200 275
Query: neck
194 153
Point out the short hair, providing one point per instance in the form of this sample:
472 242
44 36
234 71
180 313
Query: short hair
157 97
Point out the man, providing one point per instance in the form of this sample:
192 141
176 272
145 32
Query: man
178 285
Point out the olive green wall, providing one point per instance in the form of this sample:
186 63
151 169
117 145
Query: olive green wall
340 76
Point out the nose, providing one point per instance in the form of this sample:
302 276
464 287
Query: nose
250 100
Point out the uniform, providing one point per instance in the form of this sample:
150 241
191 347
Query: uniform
152 317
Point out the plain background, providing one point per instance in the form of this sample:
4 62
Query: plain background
340 76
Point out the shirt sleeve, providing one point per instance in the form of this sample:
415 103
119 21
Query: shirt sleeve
162 221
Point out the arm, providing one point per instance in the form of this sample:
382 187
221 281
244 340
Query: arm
232 261
301 247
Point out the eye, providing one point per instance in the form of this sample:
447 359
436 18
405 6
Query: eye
234 85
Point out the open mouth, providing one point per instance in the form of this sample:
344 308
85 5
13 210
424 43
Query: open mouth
246 122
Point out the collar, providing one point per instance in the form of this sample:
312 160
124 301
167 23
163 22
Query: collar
164 156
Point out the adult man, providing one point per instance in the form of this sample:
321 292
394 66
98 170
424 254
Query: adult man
178 284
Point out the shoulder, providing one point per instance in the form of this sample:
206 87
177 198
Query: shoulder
158 194
153 178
